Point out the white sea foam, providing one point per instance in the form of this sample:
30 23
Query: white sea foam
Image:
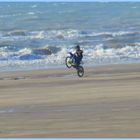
113 34
93 55
31 13
24 51
10 15
70 34
66 34
34 6
62 34
32 56
37 35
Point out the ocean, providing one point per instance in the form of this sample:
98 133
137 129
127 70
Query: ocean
39 35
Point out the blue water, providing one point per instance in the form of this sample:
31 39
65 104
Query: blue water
38 35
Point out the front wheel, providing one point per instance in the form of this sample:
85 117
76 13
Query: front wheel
68 62
80 71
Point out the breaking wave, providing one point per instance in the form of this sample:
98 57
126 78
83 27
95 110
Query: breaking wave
39 49
65 34
55 56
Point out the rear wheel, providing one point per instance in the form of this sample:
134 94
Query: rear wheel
68 62
80 71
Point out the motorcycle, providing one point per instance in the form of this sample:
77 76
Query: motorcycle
70 62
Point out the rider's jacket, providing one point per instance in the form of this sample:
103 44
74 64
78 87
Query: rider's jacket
79 53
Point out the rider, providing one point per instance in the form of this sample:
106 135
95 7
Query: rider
78 55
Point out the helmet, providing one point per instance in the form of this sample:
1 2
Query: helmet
77 47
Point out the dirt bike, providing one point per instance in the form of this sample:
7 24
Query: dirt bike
70 62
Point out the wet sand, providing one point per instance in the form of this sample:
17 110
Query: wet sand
57 103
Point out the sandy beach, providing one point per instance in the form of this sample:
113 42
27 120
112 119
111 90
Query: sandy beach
57 103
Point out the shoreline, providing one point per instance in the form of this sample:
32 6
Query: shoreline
57 103
61 67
